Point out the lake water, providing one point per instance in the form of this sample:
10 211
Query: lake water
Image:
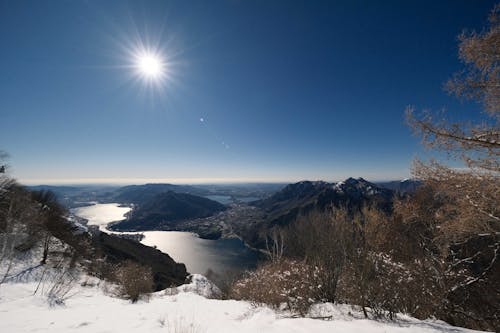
101 214
197 254
223 199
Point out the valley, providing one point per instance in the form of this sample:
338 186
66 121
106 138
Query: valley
250 221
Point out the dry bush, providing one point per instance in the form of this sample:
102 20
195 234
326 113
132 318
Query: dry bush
134 280
322 240
457 244
285 284
57 280
398 266
373 259
369 278
60 287
439 257
337 242
468 201
383 287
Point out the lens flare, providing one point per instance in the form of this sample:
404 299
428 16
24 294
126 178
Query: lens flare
150 66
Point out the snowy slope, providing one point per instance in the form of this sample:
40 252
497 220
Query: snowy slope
90 307
91 310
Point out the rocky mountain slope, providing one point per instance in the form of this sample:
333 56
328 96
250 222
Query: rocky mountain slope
303 197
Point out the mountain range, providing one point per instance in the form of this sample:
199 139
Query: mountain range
185 207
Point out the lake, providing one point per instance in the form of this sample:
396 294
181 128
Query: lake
199 255
223 199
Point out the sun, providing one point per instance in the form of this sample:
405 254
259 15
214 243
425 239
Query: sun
150 66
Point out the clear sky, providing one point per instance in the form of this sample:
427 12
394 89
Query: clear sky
252 91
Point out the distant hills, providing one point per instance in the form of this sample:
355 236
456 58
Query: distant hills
141 194
164 210
78 195
167 206
404 186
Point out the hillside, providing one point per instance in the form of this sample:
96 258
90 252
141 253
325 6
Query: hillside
165 210
300 198
166 272
303 197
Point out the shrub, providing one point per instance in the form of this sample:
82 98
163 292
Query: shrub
285 284
323 240
134 280
60 287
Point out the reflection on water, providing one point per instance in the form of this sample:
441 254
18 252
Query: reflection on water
101 214
198 254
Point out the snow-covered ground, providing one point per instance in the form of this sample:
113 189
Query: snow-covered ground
90 309
89 306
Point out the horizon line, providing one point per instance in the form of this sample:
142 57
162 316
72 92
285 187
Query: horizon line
177 181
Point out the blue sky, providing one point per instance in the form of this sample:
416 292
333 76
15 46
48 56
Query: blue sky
287 90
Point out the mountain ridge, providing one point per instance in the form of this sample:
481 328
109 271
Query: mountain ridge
301 198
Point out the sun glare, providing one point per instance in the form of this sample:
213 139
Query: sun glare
150 66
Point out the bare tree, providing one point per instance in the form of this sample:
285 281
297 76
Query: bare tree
50 220
275 244
478 144
455 219
324 240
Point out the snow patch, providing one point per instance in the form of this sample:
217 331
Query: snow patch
199 285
